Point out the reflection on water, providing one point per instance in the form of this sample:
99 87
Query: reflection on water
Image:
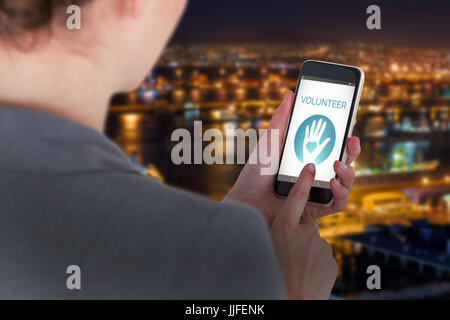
148 138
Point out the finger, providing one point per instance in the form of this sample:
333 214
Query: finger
322 129
280 117
313 127
325 211
281 114
324 142
345 173
340 194
298 196
328 249
307 132
318 127
353 150
308 219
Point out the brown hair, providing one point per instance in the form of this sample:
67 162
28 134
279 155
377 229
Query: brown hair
17 16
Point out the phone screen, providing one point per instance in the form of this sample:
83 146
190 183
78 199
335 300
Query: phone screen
317 128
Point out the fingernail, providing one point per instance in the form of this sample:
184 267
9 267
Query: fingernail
285 96
336 181
311 168
343 165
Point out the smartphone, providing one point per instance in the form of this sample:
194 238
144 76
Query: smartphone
322 118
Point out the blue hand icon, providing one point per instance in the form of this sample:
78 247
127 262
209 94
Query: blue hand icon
315 139
312 146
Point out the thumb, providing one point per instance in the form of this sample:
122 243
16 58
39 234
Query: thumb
281 114
321 146
298 197
280 118
278 122
325 142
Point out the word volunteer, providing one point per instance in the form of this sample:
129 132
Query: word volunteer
321 102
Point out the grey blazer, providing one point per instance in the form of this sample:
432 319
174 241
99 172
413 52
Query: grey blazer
68 196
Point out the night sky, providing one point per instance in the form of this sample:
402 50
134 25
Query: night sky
413 22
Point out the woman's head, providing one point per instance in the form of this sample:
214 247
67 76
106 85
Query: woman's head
18 16
118 43
126 34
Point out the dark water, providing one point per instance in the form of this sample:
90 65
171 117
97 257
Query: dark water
148 138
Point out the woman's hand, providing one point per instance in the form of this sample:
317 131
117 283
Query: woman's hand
306 260
257 190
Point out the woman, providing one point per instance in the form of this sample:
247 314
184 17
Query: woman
68 196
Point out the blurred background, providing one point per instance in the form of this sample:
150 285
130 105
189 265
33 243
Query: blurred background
230 63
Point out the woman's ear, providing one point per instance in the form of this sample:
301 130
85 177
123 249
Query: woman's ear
131 8
137 7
